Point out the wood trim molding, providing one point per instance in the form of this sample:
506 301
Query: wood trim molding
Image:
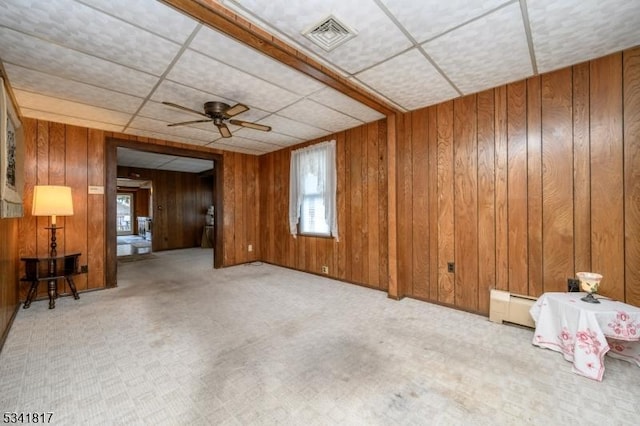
222 19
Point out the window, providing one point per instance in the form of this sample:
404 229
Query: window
312 192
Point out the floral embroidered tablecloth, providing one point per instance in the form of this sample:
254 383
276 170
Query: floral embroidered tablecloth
584 332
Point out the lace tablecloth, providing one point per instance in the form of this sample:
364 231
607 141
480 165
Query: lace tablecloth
584 332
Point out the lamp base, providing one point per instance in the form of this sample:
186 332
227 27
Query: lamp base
590 299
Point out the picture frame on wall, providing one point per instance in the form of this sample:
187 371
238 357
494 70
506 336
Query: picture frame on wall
11 158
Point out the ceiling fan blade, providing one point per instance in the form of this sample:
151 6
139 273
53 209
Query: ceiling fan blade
235 110
171 104
251 125
188 122
224 130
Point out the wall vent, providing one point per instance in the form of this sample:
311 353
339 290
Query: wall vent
329 33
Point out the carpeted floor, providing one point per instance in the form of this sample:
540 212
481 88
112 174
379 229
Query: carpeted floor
180 343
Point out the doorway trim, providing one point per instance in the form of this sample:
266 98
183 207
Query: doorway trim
111 189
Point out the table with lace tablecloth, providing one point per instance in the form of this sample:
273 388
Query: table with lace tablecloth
584 332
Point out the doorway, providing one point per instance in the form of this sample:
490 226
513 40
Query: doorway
111 191
134 214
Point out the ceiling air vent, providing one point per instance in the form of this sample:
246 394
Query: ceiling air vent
329 33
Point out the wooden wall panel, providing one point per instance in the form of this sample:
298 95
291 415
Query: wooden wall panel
541 157
96 209
631 84
420 204
361 192
607 205
486 199
534 186
465 215
446 247
9 274
405 206
501 189
557 185
517 170
581 168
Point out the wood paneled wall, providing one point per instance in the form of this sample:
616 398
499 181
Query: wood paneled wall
180 202
8 274
524 185
75 156
360 256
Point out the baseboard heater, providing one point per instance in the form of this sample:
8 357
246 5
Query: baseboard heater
513 308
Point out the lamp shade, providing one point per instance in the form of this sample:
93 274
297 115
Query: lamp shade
52 200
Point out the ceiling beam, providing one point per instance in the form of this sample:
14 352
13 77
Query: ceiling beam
224 20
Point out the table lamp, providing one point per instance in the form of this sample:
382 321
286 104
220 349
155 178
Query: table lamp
52 200
589 282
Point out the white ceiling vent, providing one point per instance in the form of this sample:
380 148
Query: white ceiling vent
329 33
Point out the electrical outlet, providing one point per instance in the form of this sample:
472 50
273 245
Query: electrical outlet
325 269
84 269
451 267
573 285
250 247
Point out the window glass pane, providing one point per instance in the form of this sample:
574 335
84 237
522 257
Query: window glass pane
312 219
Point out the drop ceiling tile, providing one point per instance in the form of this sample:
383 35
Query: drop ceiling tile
151 15
378 37
164 136
197 70
188 132
70 109
59 118
234 148
478 56
149 160
571 31
88 30
293 128
410 80
49 85
315 114
17 48
245 144
336 100
187 165
226 50
426 19
273 138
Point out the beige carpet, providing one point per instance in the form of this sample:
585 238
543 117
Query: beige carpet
181 343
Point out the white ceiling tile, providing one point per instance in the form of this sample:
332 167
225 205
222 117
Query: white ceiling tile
88 30
17 48
319 115
426 19
235 148
293 128
571 31
478 56
410 80
218 46
58 118
49 85
273 138
71 109
151 15
341 102
242 143
378 37
184 95
188 132
196 70
164 136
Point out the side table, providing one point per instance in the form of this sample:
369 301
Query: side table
50 269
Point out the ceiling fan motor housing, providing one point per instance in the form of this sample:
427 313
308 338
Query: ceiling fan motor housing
215 109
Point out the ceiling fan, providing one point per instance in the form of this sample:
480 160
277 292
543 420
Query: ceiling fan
218 113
